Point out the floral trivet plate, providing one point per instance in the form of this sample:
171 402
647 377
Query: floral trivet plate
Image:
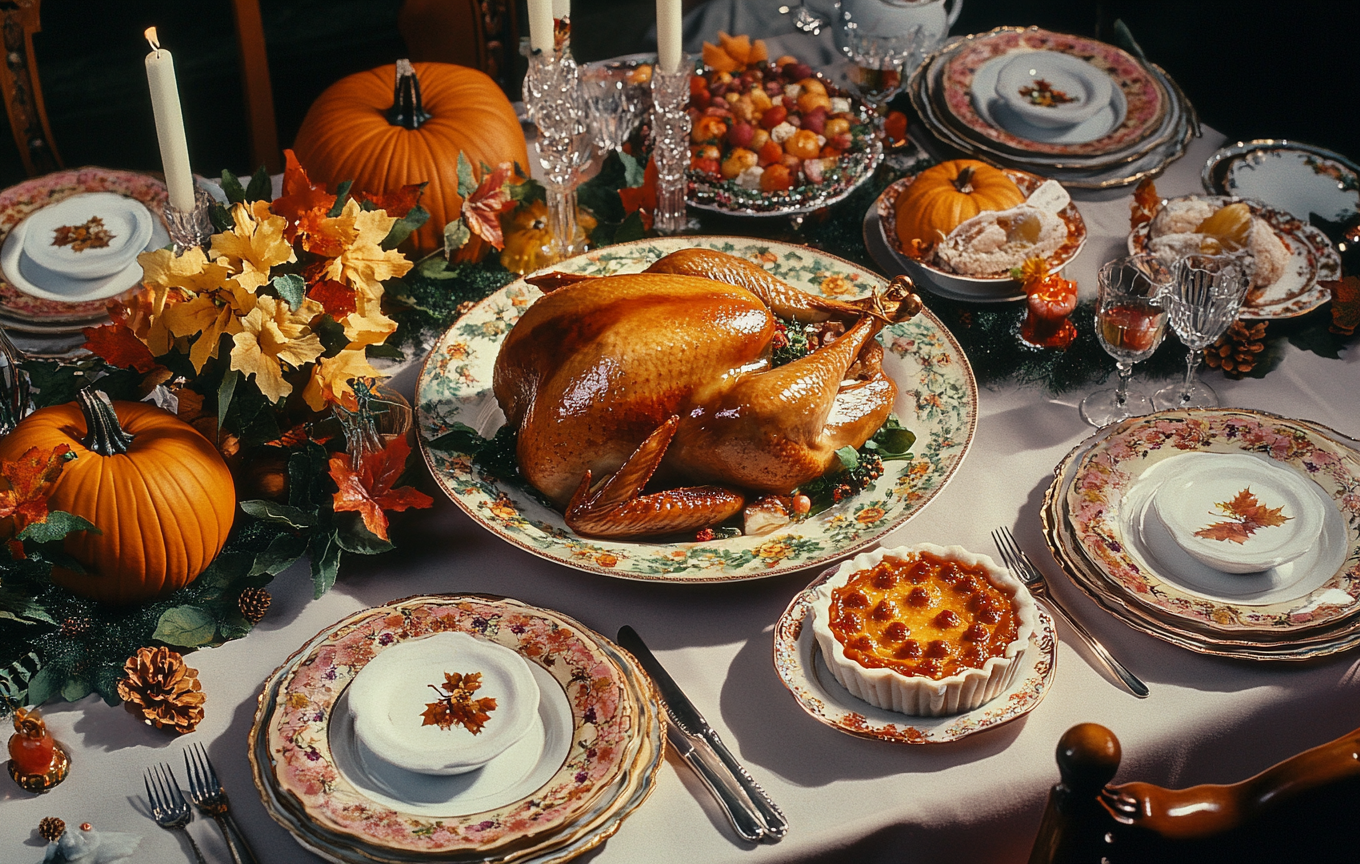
799 663
937 400
1108 487
309 770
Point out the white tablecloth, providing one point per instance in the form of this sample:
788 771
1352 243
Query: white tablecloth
1207 720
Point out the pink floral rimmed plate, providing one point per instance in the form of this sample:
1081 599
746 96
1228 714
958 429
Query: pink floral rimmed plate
1108 475
19 202
1146 102
606 723
799 664
1312 260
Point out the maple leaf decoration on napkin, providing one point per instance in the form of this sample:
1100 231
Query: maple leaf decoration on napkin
1247 515
456 705
369 490
89 235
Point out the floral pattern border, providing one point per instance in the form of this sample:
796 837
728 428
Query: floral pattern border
298 738
1111 465
793 642
937 399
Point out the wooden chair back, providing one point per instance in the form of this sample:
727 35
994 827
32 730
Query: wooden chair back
1301 809
19 20
481 34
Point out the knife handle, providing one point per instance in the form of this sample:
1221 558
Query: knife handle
733 805
776 825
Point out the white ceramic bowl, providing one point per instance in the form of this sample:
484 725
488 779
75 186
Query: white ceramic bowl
913 694
388 697
1193 502
1089 88
127 222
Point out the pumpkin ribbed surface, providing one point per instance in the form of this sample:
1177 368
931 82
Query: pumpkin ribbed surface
945 195
164 507
346 135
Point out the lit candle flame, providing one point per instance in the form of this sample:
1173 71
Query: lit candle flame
150 35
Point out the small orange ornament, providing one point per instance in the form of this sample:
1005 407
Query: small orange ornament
1050 299
36 761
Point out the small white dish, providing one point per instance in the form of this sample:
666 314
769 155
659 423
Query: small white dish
35 280
389 696
1086 87
127 225
1239 514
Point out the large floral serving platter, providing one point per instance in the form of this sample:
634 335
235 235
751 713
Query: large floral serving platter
1297 178
1146 102
799 663
1106 482
309 776
937 400
19 202
1312 260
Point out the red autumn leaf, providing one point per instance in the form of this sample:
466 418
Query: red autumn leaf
397 202
642 197
369 490
303 203
1249 514
1345 304
1146 203
483 208
117 345
456 706
337 297
31 478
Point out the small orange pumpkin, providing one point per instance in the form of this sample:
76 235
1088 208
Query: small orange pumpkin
155 487
944 195
360 129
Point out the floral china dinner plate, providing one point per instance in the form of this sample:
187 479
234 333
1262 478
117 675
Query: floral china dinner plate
937 400
1299 179
1118 472
800 666
312 766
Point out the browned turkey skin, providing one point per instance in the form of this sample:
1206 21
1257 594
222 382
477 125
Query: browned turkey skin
668 372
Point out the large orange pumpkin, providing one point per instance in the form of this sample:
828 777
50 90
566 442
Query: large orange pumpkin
384 130
155 487
944 195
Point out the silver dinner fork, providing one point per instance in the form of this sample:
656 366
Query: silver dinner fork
211 798
1019 564
168 806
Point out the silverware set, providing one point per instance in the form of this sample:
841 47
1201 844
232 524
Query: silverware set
171 809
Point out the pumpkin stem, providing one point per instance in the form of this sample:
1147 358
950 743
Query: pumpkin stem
964 182
406 109
105 436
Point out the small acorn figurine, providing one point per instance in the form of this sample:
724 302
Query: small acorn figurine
36 761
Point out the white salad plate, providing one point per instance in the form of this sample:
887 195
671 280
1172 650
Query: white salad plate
127 225
36 280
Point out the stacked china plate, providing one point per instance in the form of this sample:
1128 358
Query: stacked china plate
1224 531
558 784
68 245
1069 108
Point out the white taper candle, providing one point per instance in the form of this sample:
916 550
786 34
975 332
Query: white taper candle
160 75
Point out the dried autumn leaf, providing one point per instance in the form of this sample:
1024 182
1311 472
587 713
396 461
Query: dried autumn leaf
117 345
456 705
483 208
1249 515
398 202
303 203
336 298
1235 532
369 490
31 478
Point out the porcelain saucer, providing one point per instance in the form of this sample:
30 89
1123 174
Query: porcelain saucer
1086 89
998 112
35 280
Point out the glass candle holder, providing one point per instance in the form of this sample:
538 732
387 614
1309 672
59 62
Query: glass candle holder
670 145
189 229
378 416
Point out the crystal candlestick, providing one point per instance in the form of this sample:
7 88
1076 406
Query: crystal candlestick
189 229
670 145
552 96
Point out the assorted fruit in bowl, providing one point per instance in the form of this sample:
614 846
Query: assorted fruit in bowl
773 136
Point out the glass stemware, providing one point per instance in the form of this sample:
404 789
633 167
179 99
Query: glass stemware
1202 301
1131 323
880 62
614 100
804 18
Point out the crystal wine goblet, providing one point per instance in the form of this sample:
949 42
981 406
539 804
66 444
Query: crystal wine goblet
1202 301
614 103
1131 323
880 61
804 18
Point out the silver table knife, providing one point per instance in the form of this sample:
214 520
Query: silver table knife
754 816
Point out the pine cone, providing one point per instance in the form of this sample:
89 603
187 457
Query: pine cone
1235 351
51 829
254 602
165 690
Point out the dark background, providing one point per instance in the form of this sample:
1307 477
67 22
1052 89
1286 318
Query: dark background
1252 69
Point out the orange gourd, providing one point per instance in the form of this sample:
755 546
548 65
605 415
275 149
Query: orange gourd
360 129
155 487
944 195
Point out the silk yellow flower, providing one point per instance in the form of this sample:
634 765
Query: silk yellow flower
331 376
365 264
271 335
254 244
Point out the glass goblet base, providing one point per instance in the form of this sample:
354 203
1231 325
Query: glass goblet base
1175 396
1103 407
